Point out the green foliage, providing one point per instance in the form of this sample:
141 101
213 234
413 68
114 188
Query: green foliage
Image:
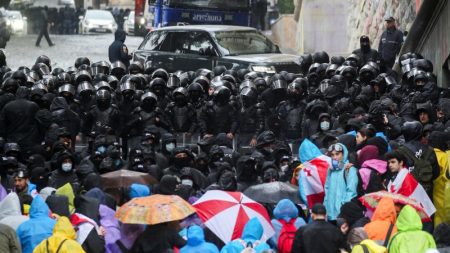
286 6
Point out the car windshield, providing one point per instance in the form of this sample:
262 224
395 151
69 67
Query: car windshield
15 15
99 15
244 42
214 4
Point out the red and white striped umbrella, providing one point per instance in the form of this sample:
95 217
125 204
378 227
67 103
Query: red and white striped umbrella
226 213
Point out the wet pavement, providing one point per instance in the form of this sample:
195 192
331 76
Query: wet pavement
21 50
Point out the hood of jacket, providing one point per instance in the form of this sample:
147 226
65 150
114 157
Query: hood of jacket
39 208
195 236
308 151
344 154
385 211
59 103
286 210
88 207
378 165
120 35
98 194
64 228
138 190
368 152
10 205
373 246
59 204
408 220
253 230
67 191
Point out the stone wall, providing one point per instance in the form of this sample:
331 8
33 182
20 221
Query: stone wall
366 17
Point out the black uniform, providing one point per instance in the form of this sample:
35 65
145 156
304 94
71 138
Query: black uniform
390 43
44 28
118 51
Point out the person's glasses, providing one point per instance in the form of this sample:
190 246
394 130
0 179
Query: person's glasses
335 147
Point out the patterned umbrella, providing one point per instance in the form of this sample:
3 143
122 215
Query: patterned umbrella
125 178
154 209
371 200
226 213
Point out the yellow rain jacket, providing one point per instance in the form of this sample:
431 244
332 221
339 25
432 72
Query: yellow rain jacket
372 246
441 189
63 238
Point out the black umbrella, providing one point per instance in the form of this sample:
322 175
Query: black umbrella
272 193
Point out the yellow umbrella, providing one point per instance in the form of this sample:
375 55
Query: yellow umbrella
154 209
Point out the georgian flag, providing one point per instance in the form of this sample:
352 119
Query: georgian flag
312 179
406 185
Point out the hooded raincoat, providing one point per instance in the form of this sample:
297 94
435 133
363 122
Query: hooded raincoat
441 189
284 210
10 213
340 186
382 218
63 238
251 234
38 228
410 237
196 242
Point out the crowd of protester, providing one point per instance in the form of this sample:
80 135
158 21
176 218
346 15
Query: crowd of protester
225 129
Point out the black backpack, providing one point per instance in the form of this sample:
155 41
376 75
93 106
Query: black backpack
422 169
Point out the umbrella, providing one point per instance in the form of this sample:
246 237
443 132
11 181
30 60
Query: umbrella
371 200
125 178
272 193
226 213
154 209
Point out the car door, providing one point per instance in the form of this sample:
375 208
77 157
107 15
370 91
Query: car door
197 51
159 49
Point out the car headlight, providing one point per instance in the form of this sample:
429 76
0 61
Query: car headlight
266 69
142 21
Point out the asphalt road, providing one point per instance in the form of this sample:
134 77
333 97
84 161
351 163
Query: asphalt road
21 50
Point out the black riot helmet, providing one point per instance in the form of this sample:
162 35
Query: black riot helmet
82 61
321 57
219 70
331 70
45 60
261 84
248 96
85 90
148 101
118 69
82 76
10 85
423 64
338 60
277 82
338 81
136 67
247 83
41 69
222 95
160 73
180 96
101 67
173 82
128 90
57 71
158 86
103 99
295 91
195 91
20 76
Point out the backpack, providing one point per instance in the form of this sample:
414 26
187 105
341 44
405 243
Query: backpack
249 247
287 235
422 169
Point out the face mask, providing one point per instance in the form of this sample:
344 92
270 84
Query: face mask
335 164
170 146
66 167
324 125
101 149
187 182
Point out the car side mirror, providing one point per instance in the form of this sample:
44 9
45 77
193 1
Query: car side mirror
80 17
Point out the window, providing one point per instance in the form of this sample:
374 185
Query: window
155 41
